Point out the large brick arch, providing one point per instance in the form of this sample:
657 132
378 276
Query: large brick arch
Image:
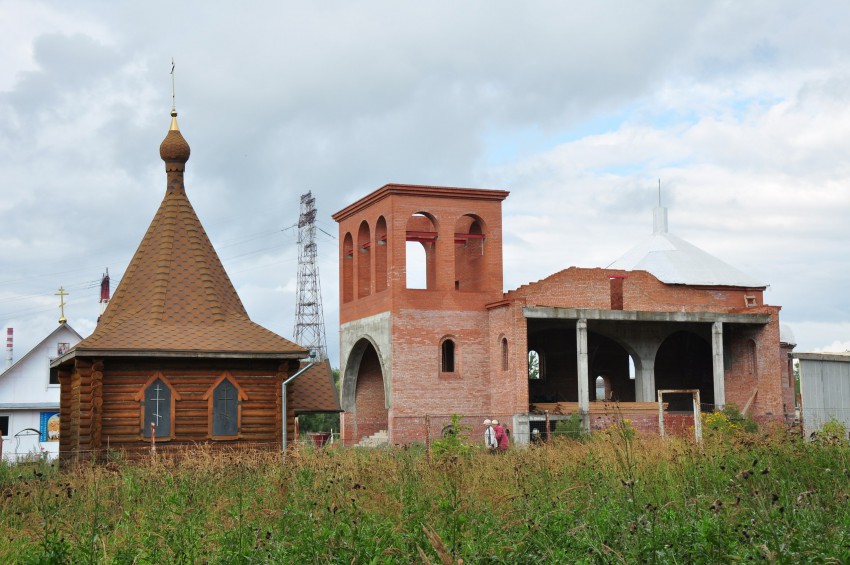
364 391
352 372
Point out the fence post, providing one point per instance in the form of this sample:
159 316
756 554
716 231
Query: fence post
546 412
153 441
428 439
697 417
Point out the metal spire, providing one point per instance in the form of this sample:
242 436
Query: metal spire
173 102
309 318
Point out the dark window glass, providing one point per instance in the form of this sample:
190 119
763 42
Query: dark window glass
157 409
4 425
448 356
225 409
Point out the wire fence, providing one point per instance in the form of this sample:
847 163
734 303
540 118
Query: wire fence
521 429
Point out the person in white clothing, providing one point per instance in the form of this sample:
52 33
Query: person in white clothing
490 441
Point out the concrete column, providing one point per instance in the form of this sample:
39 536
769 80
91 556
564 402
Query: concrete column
717 364
645 380
583 369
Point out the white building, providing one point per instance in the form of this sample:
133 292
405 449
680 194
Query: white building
29 402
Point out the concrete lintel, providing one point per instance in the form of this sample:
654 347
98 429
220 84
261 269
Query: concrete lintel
554 313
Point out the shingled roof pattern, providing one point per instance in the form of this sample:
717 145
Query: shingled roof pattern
175 294
314 390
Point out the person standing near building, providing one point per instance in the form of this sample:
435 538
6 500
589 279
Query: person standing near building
502 439
490 441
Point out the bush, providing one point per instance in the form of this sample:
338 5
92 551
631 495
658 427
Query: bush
719 423
833 432
728 422
745 423
454 441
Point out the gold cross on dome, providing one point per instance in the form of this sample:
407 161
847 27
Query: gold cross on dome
61 294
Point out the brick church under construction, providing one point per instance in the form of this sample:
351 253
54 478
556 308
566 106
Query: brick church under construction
666 316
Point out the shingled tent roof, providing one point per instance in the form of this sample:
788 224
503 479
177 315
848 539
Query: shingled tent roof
175 296
314 390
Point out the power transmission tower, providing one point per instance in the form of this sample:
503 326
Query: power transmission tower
309 319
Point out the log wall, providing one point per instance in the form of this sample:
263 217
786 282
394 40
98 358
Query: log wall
100 405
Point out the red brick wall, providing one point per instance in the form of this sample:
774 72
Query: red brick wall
590 288
419 385
449 209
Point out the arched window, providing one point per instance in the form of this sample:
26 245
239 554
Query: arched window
381 255
347 268
535 365
447 362
224 406
156 407
504 354
364 261
603 388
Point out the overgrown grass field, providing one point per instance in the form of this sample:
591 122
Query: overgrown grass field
609 499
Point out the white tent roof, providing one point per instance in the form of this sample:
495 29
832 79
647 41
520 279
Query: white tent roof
673 260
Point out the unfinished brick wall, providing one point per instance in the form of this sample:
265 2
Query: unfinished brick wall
591 288
460 230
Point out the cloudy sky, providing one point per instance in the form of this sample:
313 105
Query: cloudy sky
742 109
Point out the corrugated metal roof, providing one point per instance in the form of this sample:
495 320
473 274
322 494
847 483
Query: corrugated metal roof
673 260
29 406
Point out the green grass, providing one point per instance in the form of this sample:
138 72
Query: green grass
609 499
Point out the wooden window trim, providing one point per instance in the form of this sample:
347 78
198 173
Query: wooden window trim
140 397
241 395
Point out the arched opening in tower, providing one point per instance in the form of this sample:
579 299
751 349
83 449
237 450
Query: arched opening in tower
381 255
420 252
347 286
469 253
364 261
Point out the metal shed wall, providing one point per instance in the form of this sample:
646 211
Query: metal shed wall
825 389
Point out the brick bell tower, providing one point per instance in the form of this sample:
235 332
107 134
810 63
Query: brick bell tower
418 266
